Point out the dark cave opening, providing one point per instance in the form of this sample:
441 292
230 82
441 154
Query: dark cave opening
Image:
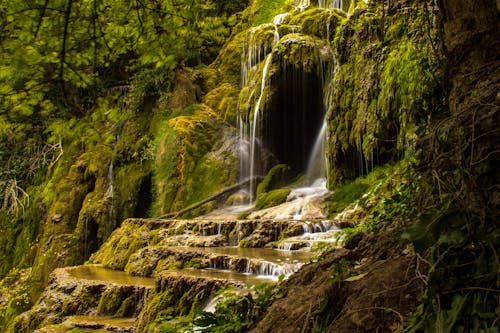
91 240
144 198
294 116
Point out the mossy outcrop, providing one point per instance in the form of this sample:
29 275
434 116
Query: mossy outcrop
67 295
176 296
388 84
196 158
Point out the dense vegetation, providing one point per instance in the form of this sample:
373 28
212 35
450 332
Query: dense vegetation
79 81
117 109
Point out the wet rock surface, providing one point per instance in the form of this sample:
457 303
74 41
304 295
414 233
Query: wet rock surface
85 290
187 269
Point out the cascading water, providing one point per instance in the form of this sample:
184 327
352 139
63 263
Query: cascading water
254 55
316 166
331 4
292 106
256 121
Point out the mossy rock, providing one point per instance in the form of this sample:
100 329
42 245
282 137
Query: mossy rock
122 244
278 176
237 199
318 22
110 302
226 68
161 304
223 100
305 52
272 198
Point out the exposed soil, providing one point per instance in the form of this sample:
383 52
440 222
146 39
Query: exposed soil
349 291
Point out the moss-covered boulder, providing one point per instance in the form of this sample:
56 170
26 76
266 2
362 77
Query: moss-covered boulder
272 198
318 22
278 176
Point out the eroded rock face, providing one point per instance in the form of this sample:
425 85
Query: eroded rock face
67 295
139 245
176 294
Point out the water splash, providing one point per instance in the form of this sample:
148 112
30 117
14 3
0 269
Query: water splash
280 18
316 165
303 5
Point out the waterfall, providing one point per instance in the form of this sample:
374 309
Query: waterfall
110 179
280 18
110 223
303 4
316 165
331 4
256 121
250 129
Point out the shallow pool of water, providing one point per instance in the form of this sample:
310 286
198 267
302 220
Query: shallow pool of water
247 279
267 254
99 273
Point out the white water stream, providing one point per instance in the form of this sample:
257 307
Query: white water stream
256 121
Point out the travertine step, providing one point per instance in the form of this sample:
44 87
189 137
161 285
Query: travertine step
92 324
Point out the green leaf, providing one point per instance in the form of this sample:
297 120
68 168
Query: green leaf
356 277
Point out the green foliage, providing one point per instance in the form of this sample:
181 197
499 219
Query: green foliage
235 312
390 87
462 284
321 248
406 82
267 9
354 192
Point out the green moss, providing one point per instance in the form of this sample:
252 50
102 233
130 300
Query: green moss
223 100
244 215
127 308
18 302
267 9
226 68
243 243
124 242
388 86
355 191
278 176
193 160
194 263
110 302
318 22
272 198
165 174
305 52
161 305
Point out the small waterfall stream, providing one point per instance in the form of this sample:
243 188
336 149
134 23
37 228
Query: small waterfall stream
251 127
316 166
256 121
331 4
255 56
